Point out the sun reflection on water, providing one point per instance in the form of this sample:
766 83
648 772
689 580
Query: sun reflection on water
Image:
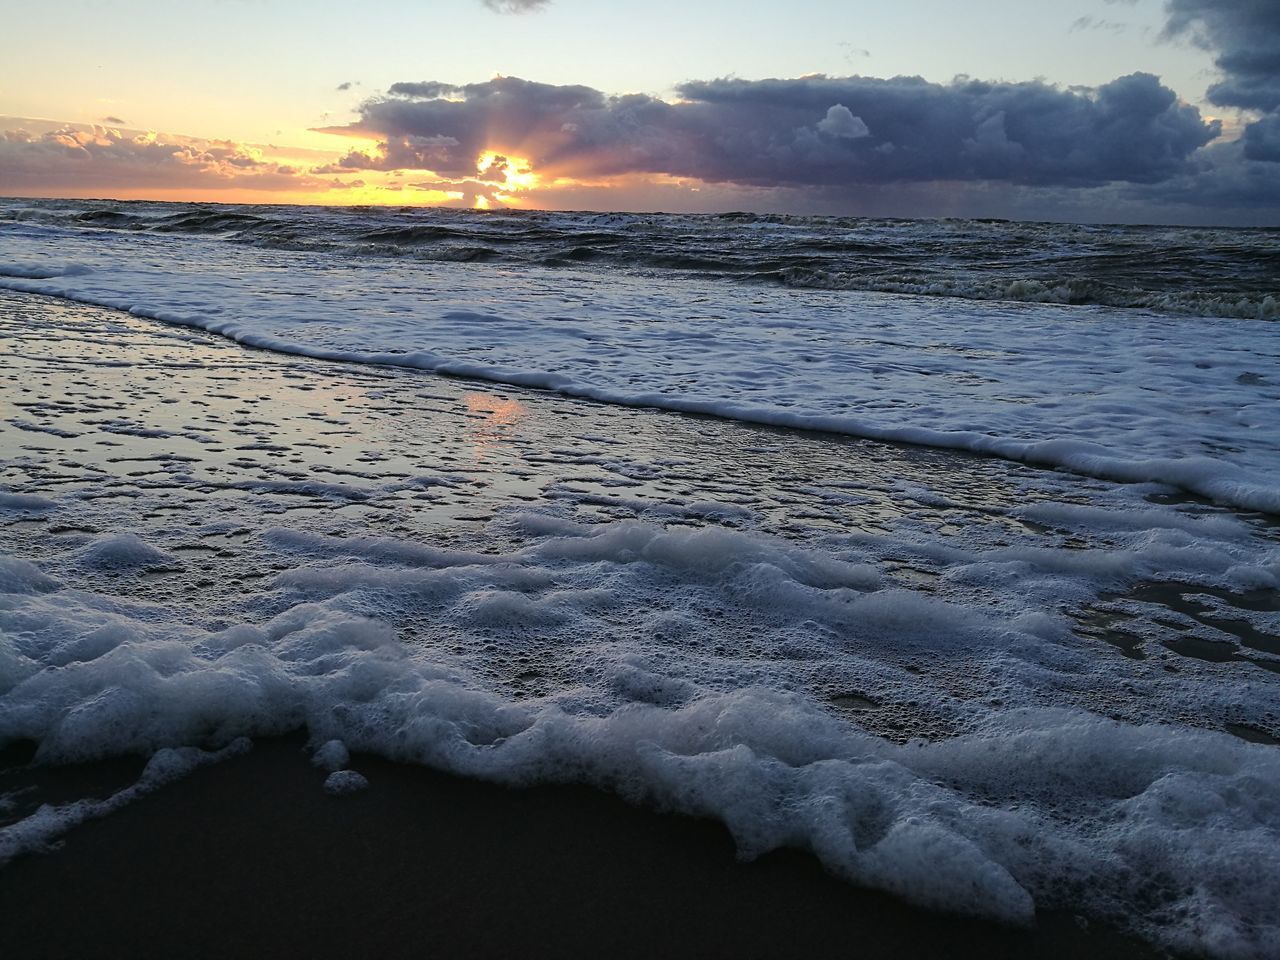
491 418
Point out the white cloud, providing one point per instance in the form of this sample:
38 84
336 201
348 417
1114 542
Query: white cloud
840 122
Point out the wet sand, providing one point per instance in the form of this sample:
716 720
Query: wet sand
251 857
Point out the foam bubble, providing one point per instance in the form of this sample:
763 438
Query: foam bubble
121 551
24 501
19 576
343 782
331 755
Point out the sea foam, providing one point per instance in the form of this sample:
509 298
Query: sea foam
678 663
1033 806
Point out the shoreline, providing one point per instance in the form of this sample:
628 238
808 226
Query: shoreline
1035 435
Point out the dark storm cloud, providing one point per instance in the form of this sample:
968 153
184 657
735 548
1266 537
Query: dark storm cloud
1130 129
1224 178
403 153
1262 139
1245 34
814 131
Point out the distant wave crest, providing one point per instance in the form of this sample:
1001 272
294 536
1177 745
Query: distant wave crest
1187 271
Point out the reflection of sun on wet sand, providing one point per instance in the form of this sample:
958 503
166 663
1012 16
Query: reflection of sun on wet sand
264 543
493 417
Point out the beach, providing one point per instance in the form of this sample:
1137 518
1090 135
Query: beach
317 655
793 483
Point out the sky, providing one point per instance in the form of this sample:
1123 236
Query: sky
1136 110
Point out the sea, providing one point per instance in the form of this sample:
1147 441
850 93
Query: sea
947 550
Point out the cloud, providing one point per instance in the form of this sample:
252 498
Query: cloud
515 6
1226 179
403 153
814 131
1095 23
345 85
1246 36
1242 174
840 122
113 120
80 158
1262 139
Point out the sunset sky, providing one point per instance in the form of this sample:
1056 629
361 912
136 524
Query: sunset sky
1081 110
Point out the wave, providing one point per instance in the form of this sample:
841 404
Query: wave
1077 291
1136 420
206 221
110 218
1192 272
404 236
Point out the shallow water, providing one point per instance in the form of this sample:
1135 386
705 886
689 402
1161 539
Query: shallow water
1128 395
1061 688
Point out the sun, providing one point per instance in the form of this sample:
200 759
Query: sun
516 173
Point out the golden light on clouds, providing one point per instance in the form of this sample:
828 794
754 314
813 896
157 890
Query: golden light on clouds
70 160
501 178
510 174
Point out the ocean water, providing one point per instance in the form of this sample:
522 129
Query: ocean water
946 550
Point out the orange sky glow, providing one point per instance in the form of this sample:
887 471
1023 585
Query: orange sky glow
191 169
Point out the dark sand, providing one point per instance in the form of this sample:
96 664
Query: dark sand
252 858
